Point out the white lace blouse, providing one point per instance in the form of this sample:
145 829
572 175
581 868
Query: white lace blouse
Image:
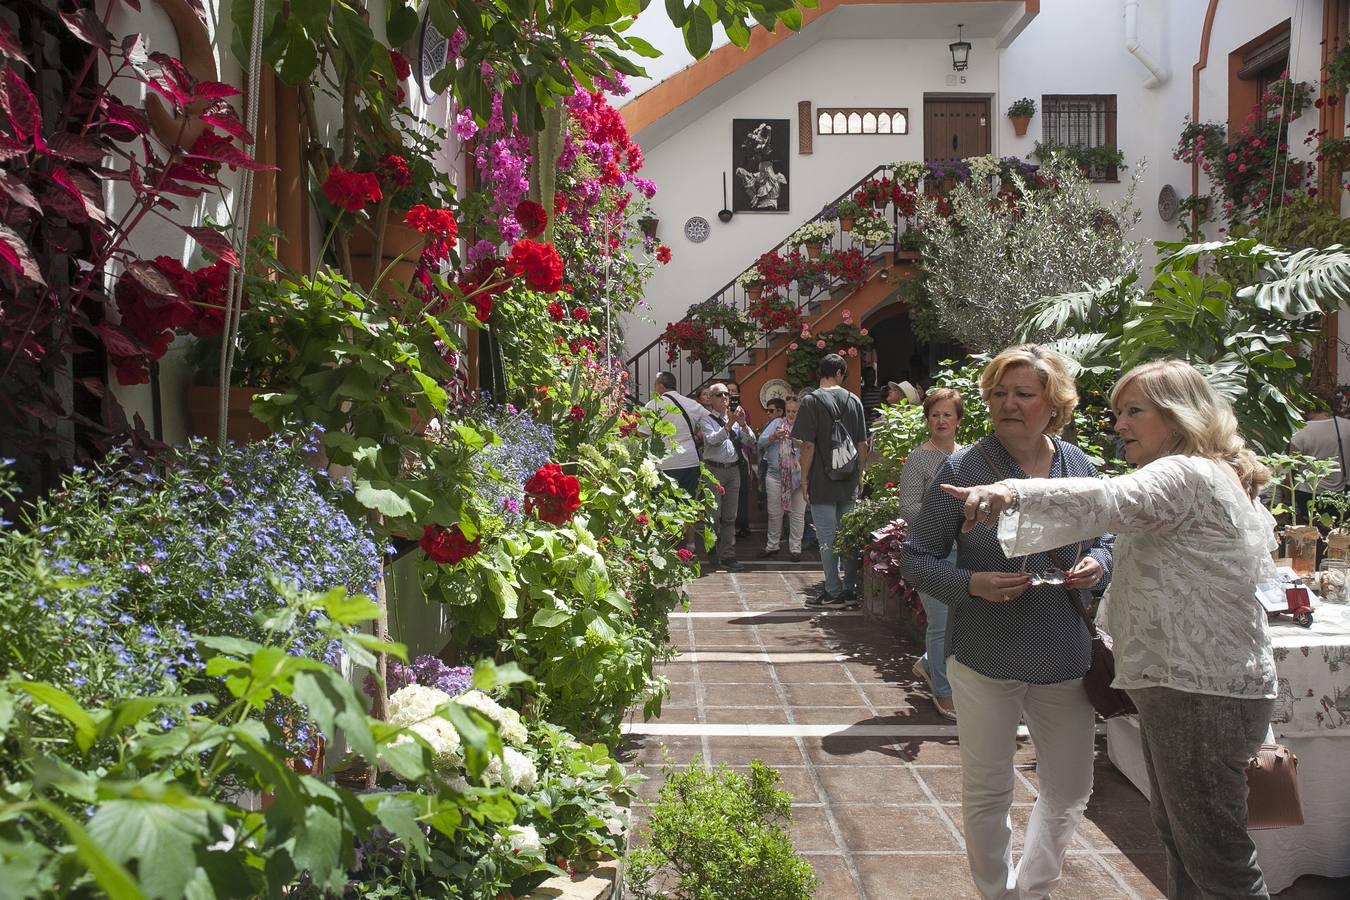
1190 550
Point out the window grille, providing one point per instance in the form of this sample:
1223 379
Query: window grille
1080 120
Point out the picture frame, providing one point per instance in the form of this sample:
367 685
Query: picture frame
760 160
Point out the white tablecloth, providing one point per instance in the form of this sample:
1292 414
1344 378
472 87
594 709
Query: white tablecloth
1312 718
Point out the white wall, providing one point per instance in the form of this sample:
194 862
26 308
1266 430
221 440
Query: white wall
1071 47
688 167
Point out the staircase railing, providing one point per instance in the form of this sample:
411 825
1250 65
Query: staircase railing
647 362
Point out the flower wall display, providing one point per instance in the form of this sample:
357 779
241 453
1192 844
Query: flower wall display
804 354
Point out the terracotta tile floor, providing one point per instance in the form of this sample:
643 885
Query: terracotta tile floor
873 769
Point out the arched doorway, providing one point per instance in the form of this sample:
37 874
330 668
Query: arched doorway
898 354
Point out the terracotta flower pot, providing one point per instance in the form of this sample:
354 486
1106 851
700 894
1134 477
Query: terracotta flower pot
755 292
1020 124
813 249
845 223
400 243
648 225
240 425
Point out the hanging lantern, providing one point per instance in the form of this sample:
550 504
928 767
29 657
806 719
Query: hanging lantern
960 51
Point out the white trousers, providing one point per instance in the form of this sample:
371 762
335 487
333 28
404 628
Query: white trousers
1062 727
773 487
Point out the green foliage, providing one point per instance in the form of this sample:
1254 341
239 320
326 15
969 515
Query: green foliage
1292 473
806 352
1026 107
714 314
718 835
867 515
1099 163
1241 327
1300 223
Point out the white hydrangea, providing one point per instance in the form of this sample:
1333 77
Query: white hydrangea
508 721
416 708
521 773
523 839
651 478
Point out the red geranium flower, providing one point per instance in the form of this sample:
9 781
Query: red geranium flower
552 494
351 191
396 169
531 217
556 311
663 254
447 545
581 314
685 554
482 306
576 413
401 67
539 263
435 222
641 519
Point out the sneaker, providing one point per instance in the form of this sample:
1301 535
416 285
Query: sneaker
732 565
840 602
818 601
849 600
766 553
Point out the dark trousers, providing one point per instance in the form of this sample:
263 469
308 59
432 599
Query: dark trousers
743 504
1196 749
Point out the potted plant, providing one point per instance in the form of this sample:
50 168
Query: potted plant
909 246
1338 71
877 192
648 225
752 281
1020 113
848 210
714 314
947 172
812 237
909 173
872 229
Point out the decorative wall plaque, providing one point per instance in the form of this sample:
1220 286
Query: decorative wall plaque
696 228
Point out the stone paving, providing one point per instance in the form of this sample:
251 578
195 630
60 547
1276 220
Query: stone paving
830 701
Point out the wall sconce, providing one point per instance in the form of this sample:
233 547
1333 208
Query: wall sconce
960 51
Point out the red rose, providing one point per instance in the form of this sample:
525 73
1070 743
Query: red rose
401 67
685 554
539 263
532 218
663 254
351 191
552 494
576 413
435 222
556 311
396 169
581 314
447 545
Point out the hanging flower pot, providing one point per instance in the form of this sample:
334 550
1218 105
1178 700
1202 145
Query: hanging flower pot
755 292
845 223
1020 124
203 407
401 243
813 249
648 225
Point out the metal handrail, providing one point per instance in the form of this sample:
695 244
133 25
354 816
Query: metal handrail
690 374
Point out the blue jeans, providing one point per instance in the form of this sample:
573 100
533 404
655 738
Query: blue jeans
827 516
935 645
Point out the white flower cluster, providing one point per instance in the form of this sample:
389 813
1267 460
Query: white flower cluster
814 233
508 721
417 708
649 474
982 168
749 278
523 839
871 229
909 172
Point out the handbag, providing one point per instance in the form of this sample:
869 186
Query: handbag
1273 799
1109 702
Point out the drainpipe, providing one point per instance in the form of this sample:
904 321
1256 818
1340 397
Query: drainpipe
1157 74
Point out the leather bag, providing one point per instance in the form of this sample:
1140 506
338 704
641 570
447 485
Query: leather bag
1109 702
1273 799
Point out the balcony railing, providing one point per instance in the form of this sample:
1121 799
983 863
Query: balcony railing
647 362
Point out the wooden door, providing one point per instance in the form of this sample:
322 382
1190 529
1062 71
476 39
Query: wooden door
955 128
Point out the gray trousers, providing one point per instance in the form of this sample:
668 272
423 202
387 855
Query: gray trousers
1196 749
729 477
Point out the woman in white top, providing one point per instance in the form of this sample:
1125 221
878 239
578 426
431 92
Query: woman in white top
1191 642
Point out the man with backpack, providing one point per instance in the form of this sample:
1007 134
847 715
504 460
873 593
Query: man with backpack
833 431
686 415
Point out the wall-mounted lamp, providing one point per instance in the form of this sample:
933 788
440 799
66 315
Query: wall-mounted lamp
960 51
